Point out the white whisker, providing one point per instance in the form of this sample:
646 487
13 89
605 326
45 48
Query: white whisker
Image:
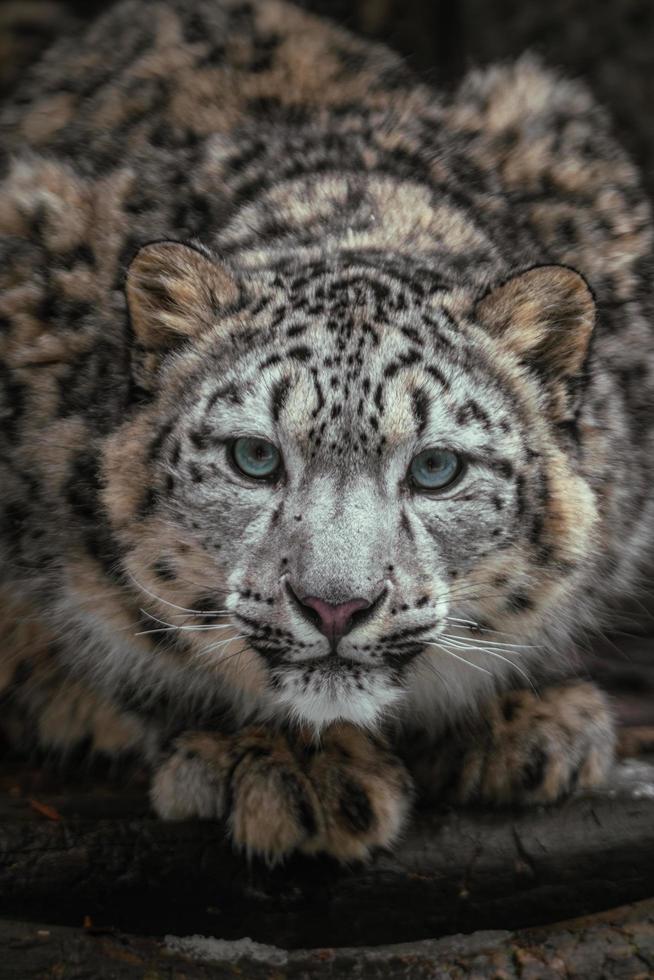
475 627
462 659
199 615
192 629
493 644
490 653
173 626
216 646
173 605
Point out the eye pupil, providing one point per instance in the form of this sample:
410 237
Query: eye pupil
256 458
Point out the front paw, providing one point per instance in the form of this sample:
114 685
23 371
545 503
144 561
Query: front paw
343 796
365 793
531 749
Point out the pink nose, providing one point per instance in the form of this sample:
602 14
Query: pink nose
335 621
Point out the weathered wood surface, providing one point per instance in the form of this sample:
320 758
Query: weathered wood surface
619 943
456 870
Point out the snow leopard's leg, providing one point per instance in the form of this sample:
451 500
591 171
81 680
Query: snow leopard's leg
280 792
529 748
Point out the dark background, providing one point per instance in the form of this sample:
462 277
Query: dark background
610 43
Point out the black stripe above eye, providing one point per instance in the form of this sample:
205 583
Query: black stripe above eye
278 398
420 410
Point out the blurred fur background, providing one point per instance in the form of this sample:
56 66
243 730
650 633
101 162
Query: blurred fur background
610 43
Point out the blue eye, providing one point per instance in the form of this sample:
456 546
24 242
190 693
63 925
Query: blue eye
435 469
257 458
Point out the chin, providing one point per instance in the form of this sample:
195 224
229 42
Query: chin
324 698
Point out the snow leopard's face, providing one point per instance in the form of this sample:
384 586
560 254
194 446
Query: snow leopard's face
344 476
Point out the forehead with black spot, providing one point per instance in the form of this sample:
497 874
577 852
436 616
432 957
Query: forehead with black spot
351 360
352 334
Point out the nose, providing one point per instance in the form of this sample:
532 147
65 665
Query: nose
333 620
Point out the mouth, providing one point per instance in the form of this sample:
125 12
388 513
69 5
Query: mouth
333 689
330 667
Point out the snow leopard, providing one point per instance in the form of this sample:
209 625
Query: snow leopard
326 438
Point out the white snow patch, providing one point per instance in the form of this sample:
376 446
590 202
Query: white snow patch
210 949
637 777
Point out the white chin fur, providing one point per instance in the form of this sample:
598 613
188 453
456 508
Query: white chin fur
322 703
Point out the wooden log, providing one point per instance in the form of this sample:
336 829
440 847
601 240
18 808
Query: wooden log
457 870
616 944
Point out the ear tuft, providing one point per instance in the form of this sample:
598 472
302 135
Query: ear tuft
174 292
545 315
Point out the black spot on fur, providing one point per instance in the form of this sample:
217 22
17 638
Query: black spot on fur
175 453
163 570
12 523
510 708
533 772
301 803
278 398
412 334
406 525
502 467
83 493
573 782
520 492
22 673
519 601
81 253
299 353
438 376
420 410
148 502
199 439
473 412
354 806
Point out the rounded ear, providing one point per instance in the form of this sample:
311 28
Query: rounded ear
174 292
545 315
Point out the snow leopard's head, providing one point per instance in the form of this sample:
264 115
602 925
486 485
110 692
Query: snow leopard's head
346 483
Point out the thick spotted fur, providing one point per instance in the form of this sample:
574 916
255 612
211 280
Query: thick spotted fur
346 796
223 219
